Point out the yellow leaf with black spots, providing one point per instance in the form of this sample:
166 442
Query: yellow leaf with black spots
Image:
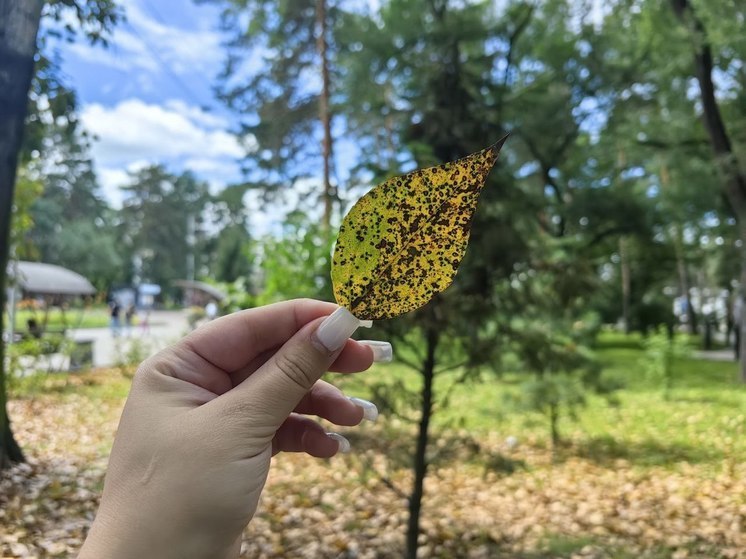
403 241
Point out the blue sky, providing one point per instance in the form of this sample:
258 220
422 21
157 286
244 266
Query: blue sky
147 98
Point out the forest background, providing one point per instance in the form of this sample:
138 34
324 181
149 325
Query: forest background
608 244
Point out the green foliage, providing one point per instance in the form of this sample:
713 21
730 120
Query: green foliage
195 315
662 350
71 221
57 320
232 252
52 109
275 268
234 255
51 106
239 296
94 19
103 385
27 192
607 204
297 263
565 370
275 102
698 424
560 546
160 213
52 131
132 351
548 395
90 250
30 360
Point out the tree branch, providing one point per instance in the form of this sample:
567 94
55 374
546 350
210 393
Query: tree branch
512 40
713 120
617 229
390 484
546 169
408 363
660 144
406 342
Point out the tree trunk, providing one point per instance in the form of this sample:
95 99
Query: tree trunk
740 322
420 459
685 287
324 113
19 24
626 283
554 426
733 178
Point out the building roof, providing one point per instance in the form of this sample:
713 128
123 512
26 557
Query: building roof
210 290
37 278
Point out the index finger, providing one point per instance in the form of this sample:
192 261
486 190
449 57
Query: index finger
232 341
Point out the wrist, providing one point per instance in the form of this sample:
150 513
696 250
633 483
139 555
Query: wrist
135 541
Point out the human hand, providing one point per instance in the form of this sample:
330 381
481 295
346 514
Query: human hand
204 417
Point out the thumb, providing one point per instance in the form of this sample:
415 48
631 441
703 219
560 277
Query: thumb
276 388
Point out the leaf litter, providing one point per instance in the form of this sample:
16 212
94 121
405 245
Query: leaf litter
343 508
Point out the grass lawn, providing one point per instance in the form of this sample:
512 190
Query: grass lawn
703 421
653 478
90 317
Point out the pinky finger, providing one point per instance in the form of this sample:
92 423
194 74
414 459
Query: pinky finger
302 434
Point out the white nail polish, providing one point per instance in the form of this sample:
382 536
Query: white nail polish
370 411
382 351
344 444
336 329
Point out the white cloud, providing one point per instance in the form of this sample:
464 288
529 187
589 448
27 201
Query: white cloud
264 219
204 165
200 46
113 56
142 42
133 130
196 114
214 171
133 134
111 180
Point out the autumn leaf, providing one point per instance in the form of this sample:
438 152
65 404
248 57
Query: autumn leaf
403 241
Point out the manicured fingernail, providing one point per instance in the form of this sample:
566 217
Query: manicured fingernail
370 411
336 329
344 444
382 351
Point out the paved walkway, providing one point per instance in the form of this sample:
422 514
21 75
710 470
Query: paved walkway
716 355
136 344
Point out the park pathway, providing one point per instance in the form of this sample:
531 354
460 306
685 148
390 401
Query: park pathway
716 355
166 327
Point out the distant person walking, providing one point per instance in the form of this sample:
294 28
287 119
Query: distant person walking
145 322
129 313
115 310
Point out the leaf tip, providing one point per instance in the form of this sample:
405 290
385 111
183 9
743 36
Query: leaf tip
497 146
491 153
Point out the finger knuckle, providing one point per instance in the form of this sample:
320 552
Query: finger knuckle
297 369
